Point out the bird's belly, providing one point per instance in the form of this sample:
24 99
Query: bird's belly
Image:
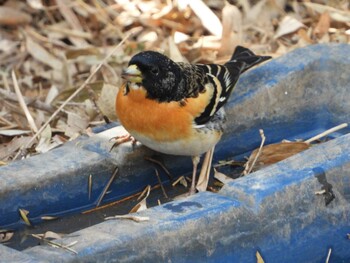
199 143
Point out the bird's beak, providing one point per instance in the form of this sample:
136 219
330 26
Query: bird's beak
132 74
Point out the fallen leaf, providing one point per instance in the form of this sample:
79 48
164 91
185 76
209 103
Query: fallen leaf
288 25
335 14
12 17
208 18
40 53
13 132
259 258
274 153
106 101
232 29
323 25
36 4
222 177
5 235
24 217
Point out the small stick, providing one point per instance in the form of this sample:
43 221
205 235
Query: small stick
77 91
329 255
107 186
22 103
90 186
161 184
263 138
54 244
325 133
130 217
161 165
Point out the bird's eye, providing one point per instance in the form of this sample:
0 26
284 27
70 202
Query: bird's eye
155 70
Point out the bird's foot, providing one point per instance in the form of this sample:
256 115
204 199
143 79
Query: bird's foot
123 139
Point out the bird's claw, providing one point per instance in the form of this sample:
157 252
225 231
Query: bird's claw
123 139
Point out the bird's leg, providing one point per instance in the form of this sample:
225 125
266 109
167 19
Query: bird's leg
203 178
123 139
195 161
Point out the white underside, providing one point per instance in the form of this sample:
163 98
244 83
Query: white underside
199 144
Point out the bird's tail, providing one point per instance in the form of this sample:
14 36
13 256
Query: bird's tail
243 59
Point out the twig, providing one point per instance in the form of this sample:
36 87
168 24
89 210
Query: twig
54 244
249 169
161 165
325 133
107 186
161 184
329 255
90 186
87 81
22 103
130 217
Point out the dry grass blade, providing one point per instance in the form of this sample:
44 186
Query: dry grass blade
250 164
327 132
22 103
5 235
110 181
55 244
161 184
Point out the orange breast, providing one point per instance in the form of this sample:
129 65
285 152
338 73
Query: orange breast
166 121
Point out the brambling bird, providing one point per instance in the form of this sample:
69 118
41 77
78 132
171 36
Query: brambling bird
177 108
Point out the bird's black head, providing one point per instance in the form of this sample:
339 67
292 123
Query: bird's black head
159 75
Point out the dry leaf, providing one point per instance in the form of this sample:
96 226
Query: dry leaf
70 17
259 258
232 29
323 25
24 217
12 17
76 124
41 54
208 18
106 101
222 177
5 235
288 25
274 153
10 148
36 4
13 132
335 14
174 52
